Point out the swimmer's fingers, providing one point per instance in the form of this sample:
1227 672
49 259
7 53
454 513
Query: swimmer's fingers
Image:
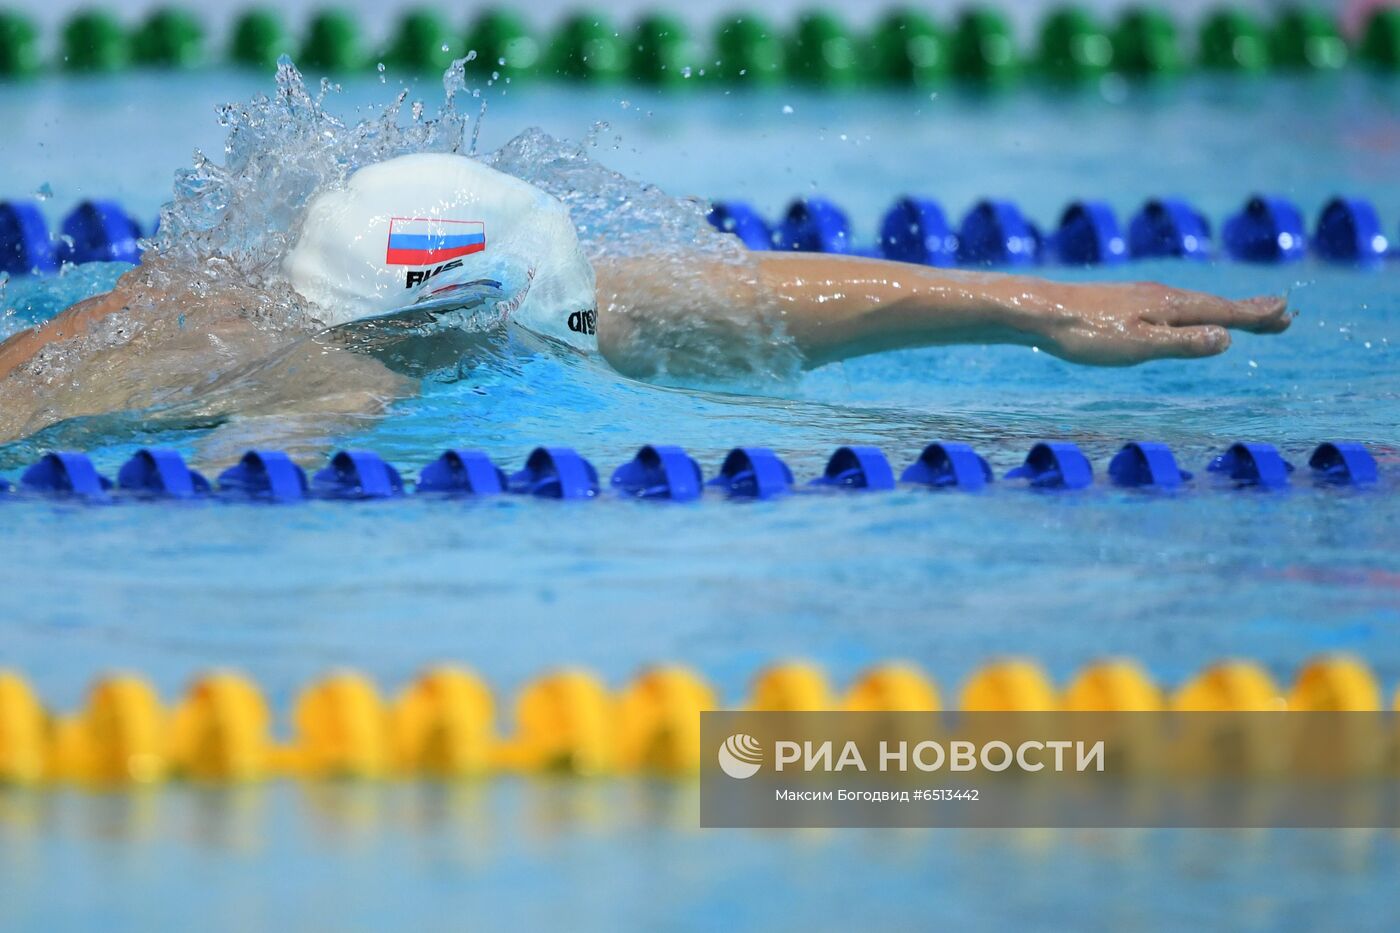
1267 314
1190 342
1139 342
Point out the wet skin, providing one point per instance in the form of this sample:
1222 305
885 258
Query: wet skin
837 307
301 387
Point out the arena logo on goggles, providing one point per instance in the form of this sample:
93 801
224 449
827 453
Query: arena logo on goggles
423 241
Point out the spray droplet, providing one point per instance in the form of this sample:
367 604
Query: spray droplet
787 108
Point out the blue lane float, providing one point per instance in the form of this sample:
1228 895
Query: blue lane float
64 474
753 473
153 473
1343 463
814 225
1349 231
555 473
100 231
660 471
995 233
1267 230
1169 228
264 475
916 230
1253 464
857 467
1146 464
668 472
1089 235
949 463
357 474
740 219
25 245
462 473
1055 465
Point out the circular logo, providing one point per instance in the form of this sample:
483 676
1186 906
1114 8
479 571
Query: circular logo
740 756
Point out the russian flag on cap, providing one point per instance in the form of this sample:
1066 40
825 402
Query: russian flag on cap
422 241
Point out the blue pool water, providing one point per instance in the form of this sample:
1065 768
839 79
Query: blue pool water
947 581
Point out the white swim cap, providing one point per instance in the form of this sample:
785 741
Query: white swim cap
418 228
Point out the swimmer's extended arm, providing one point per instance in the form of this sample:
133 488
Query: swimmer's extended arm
836 307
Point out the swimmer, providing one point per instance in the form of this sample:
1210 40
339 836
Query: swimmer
437 242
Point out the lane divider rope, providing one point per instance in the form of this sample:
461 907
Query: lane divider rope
665 472
443 724
904 48
916 229
995 232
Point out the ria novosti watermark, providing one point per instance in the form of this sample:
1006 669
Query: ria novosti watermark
741 755
1050 769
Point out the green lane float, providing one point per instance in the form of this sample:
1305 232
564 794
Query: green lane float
908 48
1233 40
749 51
258 38
93 41
332 43
1307 39
169 38
423 42
1074 45
504 46
663 52
984 48
589 48
1380 43
822 53
19 45
1145 43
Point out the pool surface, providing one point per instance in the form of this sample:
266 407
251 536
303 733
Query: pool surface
947 581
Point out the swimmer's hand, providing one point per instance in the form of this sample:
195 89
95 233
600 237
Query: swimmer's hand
1120 325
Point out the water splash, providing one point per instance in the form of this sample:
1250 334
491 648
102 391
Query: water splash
614 215
284 149
280 151
209 298
644 235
